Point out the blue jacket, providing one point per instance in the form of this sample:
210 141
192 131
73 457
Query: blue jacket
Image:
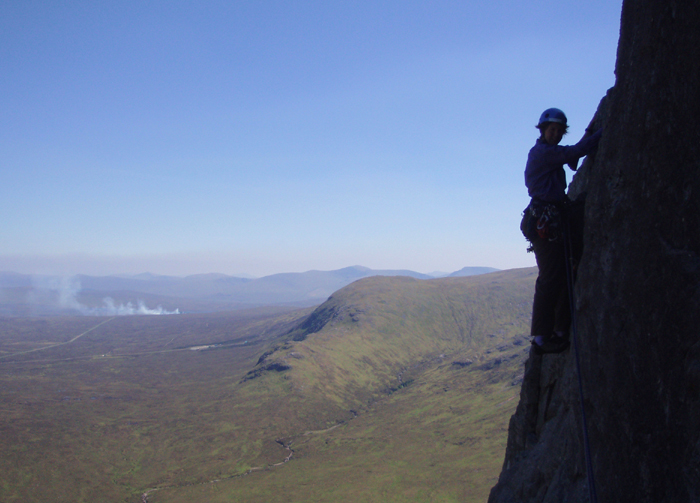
545 177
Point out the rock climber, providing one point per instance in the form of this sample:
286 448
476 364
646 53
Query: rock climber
543 224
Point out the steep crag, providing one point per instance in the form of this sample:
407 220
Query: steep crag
637 293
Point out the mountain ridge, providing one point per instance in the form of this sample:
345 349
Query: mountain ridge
383 304
202 292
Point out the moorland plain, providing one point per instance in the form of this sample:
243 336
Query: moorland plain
395 389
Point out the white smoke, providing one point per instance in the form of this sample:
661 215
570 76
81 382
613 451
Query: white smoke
68 289
110 309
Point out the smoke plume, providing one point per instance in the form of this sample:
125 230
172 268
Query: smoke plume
67 290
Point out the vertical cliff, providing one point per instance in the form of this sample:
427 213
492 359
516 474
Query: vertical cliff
638 291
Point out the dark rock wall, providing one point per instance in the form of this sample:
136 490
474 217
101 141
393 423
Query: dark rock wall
638 297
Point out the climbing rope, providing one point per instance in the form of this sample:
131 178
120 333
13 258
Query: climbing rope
584 423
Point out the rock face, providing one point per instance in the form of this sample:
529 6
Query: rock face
637 293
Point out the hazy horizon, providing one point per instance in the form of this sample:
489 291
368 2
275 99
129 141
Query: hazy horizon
69 273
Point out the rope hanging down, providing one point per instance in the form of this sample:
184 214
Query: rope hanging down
584 423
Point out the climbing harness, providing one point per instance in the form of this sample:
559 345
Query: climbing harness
541 220
584 423
549 222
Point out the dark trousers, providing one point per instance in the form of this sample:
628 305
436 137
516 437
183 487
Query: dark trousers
550 309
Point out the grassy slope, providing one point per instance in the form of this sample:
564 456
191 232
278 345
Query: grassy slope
442 438
108 428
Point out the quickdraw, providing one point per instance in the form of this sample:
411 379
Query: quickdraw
549 222
541 221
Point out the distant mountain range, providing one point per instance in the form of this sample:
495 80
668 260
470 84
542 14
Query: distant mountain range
26 295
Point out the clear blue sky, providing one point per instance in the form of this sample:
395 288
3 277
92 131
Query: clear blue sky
281 136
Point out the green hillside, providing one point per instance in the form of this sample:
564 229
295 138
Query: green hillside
395 389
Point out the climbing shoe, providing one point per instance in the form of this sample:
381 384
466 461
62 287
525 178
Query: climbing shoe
552 344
